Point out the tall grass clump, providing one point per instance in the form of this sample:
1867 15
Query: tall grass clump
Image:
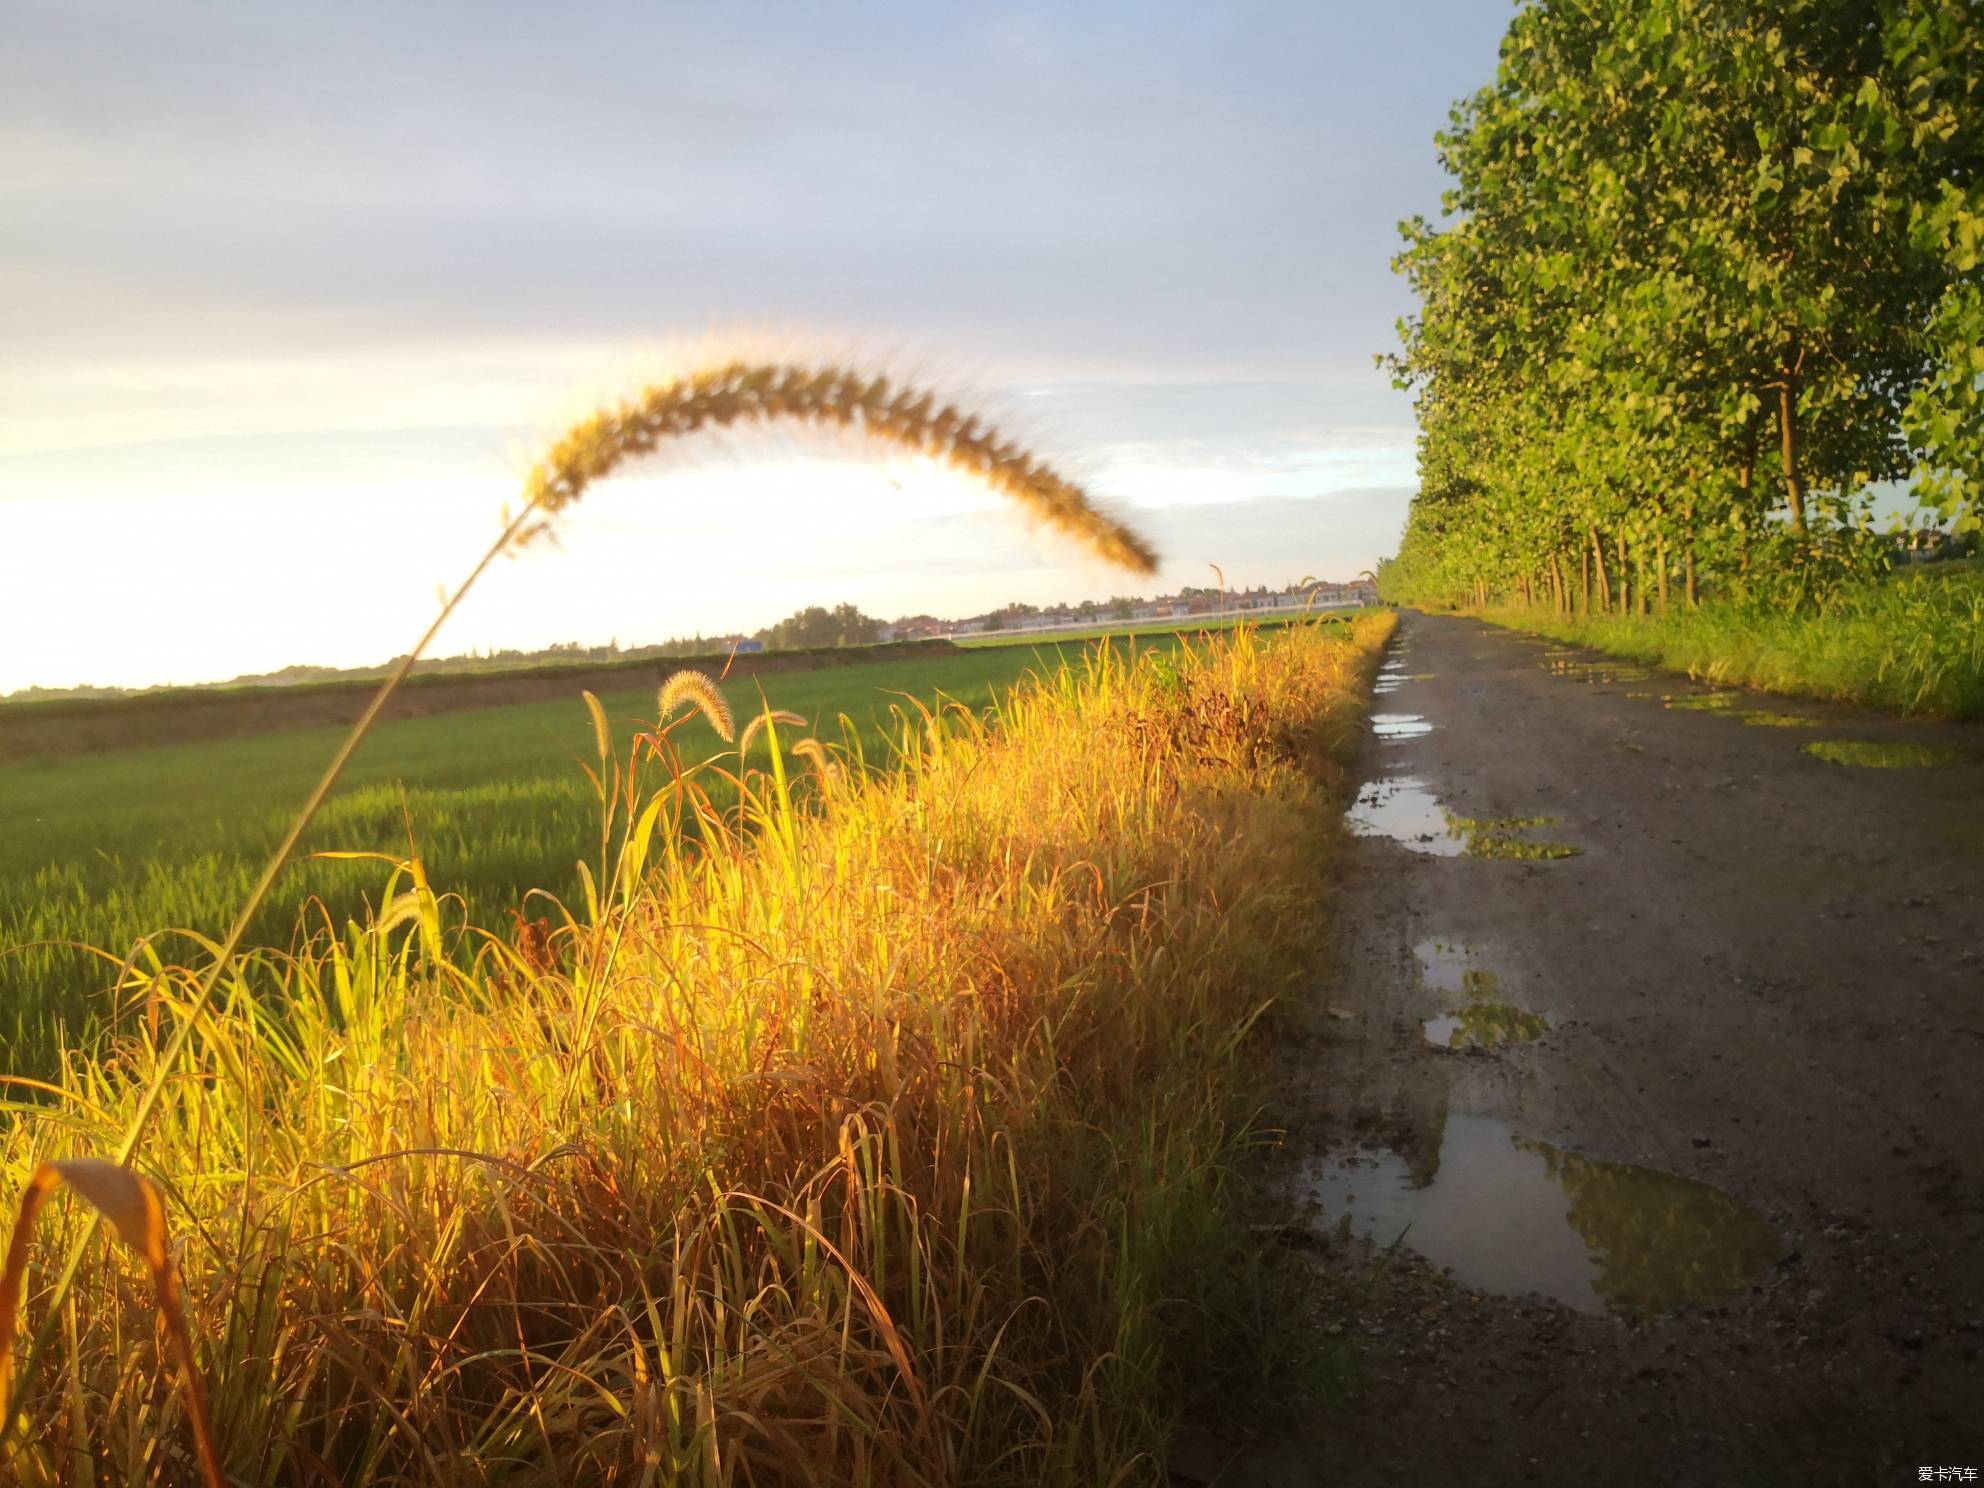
1913 643
714 397
865 1130
114 849
875 1135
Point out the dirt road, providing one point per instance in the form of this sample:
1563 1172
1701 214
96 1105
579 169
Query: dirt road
1684 1132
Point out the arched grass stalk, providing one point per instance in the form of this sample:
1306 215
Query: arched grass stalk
718 396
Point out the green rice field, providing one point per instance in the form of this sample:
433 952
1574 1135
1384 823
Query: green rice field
165 841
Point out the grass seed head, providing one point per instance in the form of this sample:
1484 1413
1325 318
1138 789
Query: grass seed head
737 391
698 689
823 766
757 726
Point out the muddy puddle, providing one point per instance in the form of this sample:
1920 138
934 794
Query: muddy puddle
1403 809
1475 1012
1509 1215
1399 725
1484 1025
1448 966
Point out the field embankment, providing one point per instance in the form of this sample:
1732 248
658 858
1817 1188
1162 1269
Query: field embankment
1911 644
63 726
882 1137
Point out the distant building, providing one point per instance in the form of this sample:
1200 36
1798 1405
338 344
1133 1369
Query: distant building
915 628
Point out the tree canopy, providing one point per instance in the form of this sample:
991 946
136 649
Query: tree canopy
843 625
1708 269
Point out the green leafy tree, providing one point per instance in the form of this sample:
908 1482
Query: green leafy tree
843 625
1707 270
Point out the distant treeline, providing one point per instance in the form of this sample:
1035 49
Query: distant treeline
566 653
844 626
1709 270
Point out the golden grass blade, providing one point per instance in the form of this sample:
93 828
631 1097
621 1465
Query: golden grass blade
131 1203
124 1198
699 690
39 1186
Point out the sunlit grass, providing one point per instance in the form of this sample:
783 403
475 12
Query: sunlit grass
877 1136
102 849
1913 643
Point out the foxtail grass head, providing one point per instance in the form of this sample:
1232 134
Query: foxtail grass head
758 725
746 392
824 768
699 690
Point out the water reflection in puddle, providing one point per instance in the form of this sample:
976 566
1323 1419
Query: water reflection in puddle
1598 673
1404 810
1399 725
1475 1014
1484 1025
1445 966
1893 754
1509 1215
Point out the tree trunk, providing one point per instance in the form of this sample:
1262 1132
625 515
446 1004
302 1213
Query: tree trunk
1787 423
1625 581
1692 601
1598 568
1660 555
1639 579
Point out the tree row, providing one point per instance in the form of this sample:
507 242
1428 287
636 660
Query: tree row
1708 272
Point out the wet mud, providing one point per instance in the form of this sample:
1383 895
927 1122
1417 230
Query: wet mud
1502 1213
1662 1163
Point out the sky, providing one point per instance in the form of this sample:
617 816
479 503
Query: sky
293 295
